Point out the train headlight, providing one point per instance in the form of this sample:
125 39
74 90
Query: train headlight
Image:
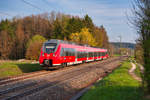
53 54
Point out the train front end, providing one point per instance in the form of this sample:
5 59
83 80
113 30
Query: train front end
47 55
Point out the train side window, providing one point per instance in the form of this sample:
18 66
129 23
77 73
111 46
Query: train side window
89 54
74 51
66 51
69 53
80 54
94 54
84 54
77 54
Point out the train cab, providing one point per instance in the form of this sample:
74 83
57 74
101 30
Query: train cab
48 51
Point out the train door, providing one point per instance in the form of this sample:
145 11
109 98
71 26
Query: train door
76 56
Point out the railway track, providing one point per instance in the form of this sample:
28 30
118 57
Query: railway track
8 80
51 80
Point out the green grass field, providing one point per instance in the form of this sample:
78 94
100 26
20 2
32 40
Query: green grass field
17 68
117 86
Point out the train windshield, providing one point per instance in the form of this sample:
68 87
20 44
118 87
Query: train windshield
49 47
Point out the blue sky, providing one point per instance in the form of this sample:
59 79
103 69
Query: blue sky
110 13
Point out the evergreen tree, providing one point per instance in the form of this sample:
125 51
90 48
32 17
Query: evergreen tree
58 31
7 38
74 25
88 23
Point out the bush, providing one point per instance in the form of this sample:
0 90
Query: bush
34 46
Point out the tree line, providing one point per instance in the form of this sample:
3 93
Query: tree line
23 37
142 22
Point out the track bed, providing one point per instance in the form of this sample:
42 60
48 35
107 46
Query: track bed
59 84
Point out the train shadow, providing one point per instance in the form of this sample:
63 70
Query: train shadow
28 67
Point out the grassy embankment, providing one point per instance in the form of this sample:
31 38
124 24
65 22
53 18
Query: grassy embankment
137 71
17 68
116 55
117 86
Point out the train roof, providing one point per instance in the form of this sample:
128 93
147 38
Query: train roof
68 42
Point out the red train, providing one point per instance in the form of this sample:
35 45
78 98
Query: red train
57 52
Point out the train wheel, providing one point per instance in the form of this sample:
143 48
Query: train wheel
62 65
65 64
83 62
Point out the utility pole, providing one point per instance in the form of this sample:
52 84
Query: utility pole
120 42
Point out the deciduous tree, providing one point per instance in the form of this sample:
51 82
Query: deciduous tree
84 37
34 46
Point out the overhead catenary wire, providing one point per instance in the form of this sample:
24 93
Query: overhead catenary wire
49 5
32 5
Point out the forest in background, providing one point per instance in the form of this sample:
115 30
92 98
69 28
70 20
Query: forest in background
23 37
